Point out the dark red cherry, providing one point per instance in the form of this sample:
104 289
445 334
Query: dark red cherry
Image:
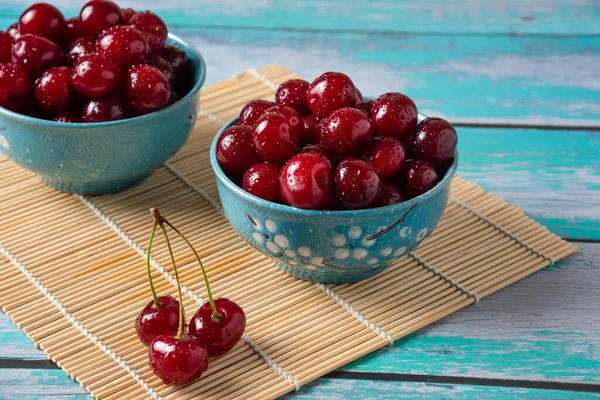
54 91
321 152
262 180
329 92
435 141
416 177
125 45
274 139
73 30
366 106
254 110
163 66
69 116
219 336
98 15
292 94
389 194
395 115
344 130
177 361
181 66
310 129
153 28
79 48
16 87
385 154
13 30
306 181
6 43
154 321
103 109
294 118
37 54
43 19
359 97
95 76
128 14
357 184
235 151
146 89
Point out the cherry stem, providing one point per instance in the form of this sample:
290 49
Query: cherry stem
156 304
216 317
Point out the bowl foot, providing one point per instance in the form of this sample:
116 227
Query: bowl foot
328 277
95 187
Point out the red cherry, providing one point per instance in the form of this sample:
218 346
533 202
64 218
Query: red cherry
344 130
123 44
417 177
79 48
435 141
69 116
356 184
386 155
262 180
359 97
95 76
329 92
218 335
16 87
389 194
37 54
181 66
306 181
103 109
73 30
294 118
98 15
54 90
147 89
292 94
234 149
177 360
395 115
163 66
6 43
321 152
154 321
310 129
128 14
13 30
153 28
274 139
366 106
43 19
254 110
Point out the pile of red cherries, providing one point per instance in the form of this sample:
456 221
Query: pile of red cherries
106 64
320 146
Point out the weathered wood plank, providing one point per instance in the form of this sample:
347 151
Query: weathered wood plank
28 384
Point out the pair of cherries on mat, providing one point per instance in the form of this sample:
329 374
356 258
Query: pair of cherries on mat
320 146
176 356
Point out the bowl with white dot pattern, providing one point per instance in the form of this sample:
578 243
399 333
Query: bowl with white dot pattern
330 246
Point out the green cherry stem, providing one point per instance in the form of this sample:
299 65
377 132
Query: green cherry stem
216 317
156 304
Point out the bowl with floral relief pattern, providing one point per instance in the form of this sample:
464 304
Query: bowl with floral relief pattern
331 246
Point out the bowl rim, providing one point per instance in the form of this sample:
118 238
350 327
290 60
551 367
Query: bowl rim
221 176
195 89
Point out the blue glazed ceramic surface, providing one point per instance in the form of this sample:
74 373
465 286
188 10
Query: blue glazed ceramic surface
331 246
102 157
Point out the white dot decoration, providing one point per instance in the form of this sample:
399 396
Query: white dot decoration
372 261
290 253
368 242
421 235
355 232
292 262
304 251
359 254
4 142
270 225
386 252
405 232
317 261
342 253
308 266
257 237
400 251
272 247
281 241
339 240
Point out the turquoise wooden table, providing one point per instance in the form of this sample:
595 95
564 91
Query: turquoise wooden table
521 80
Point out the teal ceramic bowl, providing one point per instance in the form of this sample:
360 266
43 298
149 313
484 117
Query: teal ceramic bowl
102 157
331 246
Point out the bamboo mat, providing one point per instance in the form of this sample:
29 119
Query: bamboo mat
74 278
